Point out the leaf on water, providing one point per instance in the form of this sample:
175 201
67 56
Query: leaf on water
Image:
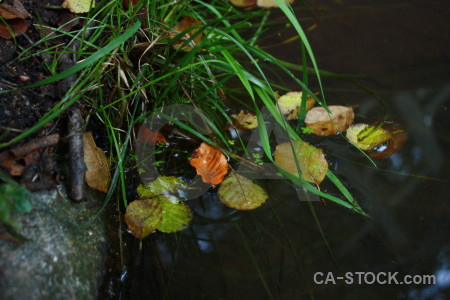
151 137
143 216
311 160
241 193
290 104
163 185
98 175
78 6
210 164
367 137
322 123
176 215
270 3
245 120
185 23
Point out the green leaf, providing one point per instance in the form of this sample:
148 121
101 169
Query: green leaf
241 193
13 198
176 215
162 185
367 137
143 216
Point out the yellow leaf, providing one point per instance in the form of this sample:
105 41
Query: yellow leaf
311 160
143 216
78 6
98 175
241 193
245 120
291 102
367 137
323 123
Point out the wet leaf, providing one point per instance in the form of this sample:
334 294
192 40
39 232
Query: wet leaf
78 6
151 137
241 193
270 3
322 123
311 160
163 185
12 22
290 104
367 137
176 215
184 24
210 164
143 216
245 120
98 174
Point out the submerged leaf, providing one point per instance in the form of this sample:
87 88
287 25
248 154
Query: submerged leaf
323 123
245 120
367 137
312 162
78 6
162 185
98 175
151 137
290 104
176 215
241 193
143 216
210 164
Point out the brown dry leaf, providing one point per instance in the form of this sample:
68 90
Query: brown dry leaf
186 23
98 175
143 216
14 19
322 123
245 120
210 164
270 3
148 136
311 160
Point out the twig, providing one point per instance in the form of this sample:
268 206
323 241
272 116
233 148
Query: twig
76 155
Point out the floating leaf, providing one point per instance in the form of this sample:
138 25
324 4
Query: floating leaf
163 185
311 160
270 3
78 6
245 120
323 123
184 24
241 193
210 164
290 104
98 175
176 215
367 137
151 137
143 216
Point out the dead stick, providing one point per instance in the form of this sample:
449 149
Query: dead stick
76 155
35 144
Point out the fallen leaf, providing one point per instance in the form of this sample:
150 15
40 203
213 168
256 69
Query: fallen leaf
270 3
78 6
322 123
290 104
184 24
210 164
243 3
367 137
13 21
245 120
241 193
163 185
143 216
394 145
98 175
148 136
176 215
311 160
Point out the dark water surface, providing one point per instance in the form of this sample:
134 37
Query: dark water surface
274 251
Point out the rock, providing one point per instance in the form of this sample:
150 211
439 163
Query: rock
60 261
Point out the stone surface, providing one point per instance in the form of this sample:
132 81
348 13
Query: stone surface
62 260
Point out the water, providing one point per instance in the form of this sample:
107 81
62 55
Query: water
274 251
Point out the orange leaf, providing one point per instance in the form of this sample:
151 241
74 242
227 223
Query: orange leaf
148 136
210 164
187 22
98 175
